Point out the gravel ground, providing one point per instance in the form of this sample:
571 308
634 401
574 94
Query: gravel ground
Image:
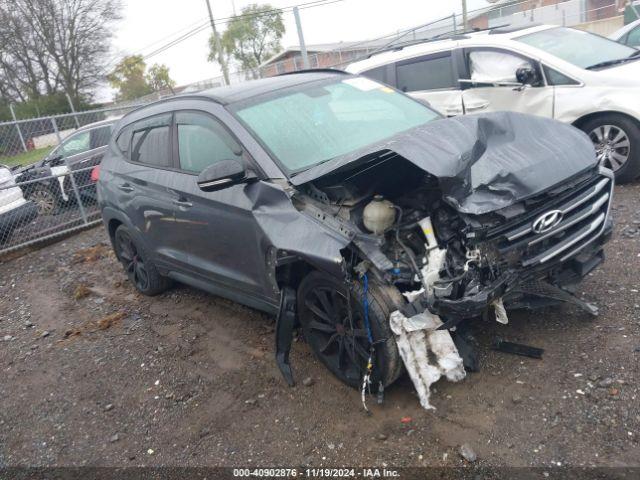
95 374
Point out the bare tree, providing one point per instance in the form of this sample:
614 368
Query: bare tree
50 46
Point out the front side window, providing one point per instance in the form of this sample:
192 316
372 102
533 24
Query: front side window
78 143
556 78
203 141
582 49
493 66
150 141
432 73
309 124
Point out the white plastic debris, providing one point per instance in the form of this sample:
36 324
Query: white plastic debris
416 337
501 312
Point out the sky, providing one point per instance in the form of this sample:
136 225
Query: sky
150 24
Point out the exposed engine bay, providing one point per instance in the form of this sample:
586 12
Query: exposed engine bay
449 265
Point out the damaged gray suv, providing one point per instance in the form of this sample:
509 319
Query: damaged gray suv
356 212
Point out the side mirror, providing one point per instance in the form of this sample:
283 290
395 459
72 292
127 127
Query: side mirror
221 175
54 161
526 75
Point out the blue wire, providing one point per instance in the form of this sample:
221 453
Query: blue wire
365 301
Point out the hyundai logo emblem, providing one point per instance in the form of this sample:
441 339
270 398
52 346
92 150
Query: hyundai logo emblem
547 221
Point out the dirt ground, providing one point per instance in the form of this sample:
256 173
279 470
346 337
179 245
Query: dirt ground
94 374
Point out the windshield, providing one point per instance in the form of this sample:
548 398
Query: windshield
313 123
580 48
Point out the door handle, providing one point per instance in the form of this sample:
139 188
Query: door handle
453 111
183 203
476 107
125 187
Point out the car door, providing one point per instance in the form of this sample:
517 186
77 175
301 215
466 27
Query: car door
144 183
432 78
61 160
491 84
218 228
82 163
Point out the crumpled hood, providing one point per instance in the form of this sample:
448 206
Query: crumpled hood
483 162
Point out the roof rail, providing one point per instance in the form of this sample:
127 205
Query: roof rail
441 36
315 70
512 28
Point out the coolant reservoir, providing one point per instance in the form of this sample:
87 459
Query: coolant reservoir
379 215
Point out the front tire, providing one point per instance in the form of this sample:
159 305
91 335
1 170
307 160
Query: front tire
616 139
137 263
46 201
342 346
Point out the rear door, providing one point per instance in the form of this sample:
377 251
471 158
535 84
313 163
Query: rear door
220 231
490 83
431 77
144 184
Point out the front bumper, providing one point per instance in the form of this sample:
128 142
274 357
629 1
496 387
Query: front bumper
17 217
565 273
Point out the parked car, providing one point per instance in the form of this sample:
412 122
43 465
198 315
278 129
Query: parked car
570 75
628 35
15 211
335 199
77 153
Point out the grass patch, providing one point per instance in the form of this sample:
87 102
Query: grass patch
26 158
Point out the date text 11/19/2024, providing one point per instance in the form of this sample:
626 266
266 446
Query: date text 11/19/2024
315 473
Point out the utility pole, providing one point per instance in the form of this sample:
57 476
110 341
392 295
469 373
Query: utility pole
464 16
303 46
73 110
15 121
216 38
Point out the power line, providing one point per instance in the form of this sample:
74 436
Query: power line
225 20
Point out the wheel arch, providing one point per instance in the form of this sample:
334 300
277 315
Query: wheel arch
590 116
290 272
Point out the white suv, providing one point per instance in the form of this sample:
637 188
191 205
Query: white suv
563 73
15 211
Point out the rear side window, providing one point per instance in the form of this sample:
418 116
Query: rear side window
100 136
124 140
150 141
203 141
426 73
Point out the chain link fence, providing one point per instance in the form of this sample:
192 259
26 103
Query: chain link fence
48 174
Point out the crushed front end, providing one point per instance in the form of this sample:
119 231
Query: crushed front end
511 255
465 218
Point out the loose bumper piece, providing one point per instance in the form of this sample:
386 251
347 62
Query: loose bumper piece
428 353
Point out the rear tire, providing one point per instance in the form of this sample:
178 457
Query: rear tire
137 263
341 347
617 142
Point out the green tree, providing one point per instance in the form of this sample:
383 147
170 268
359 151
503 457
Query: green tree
129 78
158 78
251 37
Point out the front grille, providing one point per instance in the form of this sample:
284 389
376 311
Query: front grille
584 210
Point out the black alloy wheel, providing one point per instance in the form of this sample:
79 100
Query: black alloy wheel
132 261
332 319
